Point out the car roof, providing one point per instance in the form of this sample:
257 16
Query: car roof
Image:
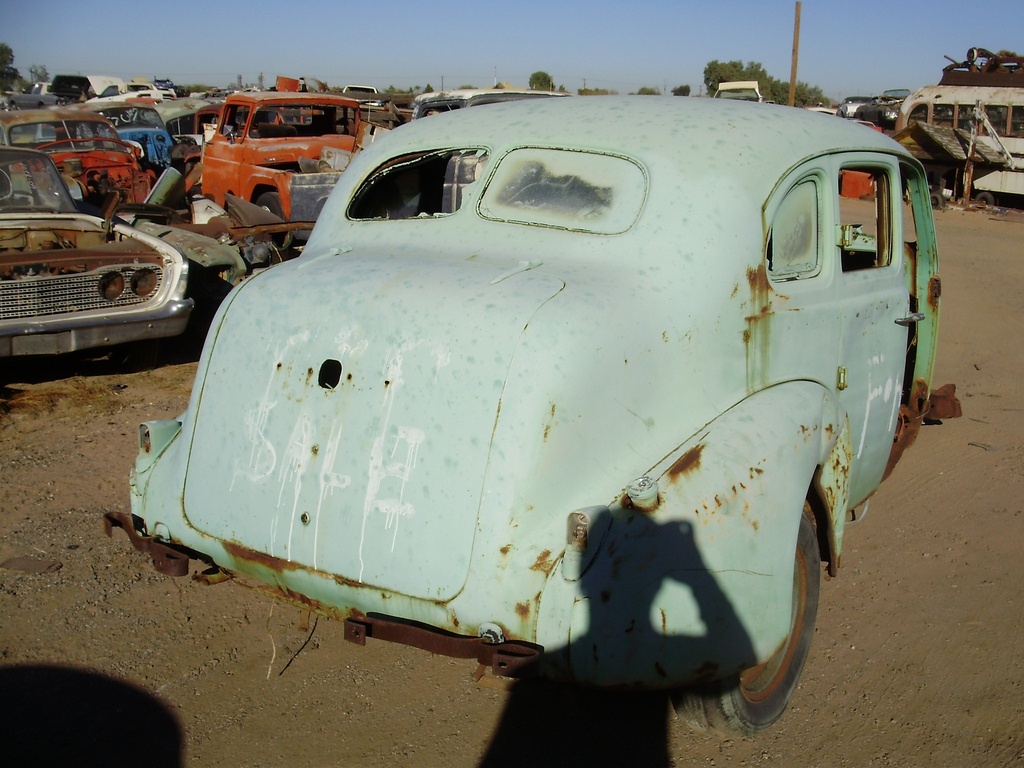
467 93
173 108
313 97
752 142
50 115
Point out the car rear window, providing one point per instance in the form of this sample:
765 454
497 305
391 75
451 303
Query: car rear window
564 189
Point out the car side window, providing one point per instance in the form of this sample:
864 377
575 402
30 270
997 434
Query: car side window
794 239
865 218
235 119
421 185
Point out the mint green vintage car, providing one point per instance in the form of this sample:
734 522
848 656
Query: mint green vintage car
583 388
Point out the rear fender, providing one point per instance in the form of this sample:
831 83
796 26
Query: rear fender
696 582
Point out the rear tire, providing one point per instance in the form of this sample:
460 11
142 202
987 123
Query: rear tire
985 198
272 202
754 699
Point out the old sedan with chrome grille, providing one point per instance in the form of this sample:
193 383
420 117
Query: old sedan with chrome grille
71 281
569 393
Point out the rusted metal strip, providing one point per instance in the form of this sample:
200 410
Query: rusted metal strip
505 659
167 561
943 403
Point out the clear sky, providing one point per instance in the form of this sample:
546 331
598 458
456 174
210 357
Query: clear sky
846 47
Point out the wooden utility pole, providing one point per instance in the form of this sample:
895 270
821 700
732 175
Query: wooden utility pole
796 55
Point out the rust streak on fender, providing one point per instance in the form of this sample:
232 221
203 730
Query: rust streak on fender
686 463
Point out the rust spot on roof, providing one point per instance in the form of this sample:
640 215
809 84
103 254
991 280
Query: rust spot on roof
523 610
688 462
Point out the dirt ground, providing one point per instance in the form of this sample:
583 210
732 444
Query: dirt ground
917 660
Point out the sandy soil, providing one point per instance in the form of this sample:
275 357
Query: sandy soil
917 660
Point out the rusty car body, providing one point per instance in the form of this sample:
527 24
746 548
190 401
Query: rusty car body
968 130
94 160
266 138
71 281
189 118
567 403
137 121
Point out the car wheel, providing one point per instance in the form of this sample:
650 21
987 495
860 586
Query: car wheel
938 200
754 699
985 198
272 202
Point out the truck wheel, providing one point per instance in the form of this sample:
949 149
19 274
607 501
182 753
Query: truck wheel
272 202
754 699
985 198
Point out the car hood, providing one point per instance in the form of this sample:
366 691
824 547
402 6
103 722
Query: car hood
344 415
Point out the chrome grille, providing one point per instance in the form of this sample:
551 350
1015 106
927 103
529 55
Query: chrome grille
43 296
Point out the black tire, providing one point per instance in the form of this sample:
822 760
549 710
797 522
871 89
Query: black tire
753 700
938 200
985 198
272 202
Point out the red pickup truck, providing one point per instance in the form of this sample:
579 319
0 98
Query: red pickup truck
263 136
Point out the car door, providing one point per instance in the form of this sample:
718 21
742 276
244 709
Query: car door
874 306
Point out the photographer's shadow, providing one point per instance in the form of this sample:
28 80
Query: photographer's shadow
56 716
628 637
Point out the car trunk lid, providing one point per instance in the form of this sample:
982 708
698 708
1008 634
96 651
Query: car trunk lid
359 443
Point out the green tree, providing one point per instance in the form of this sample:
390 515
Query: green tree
541 81
37 74
8 74
717 72
648 91
681 90
772 89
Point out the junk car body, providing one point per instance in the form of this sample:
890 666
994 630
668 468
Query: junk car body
78 88
39 96
94 160
141 123
71 281
265 138
439 102
189 117
566 403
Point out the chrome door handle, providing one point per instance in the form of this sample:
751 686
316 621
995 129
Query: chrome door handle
913 317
